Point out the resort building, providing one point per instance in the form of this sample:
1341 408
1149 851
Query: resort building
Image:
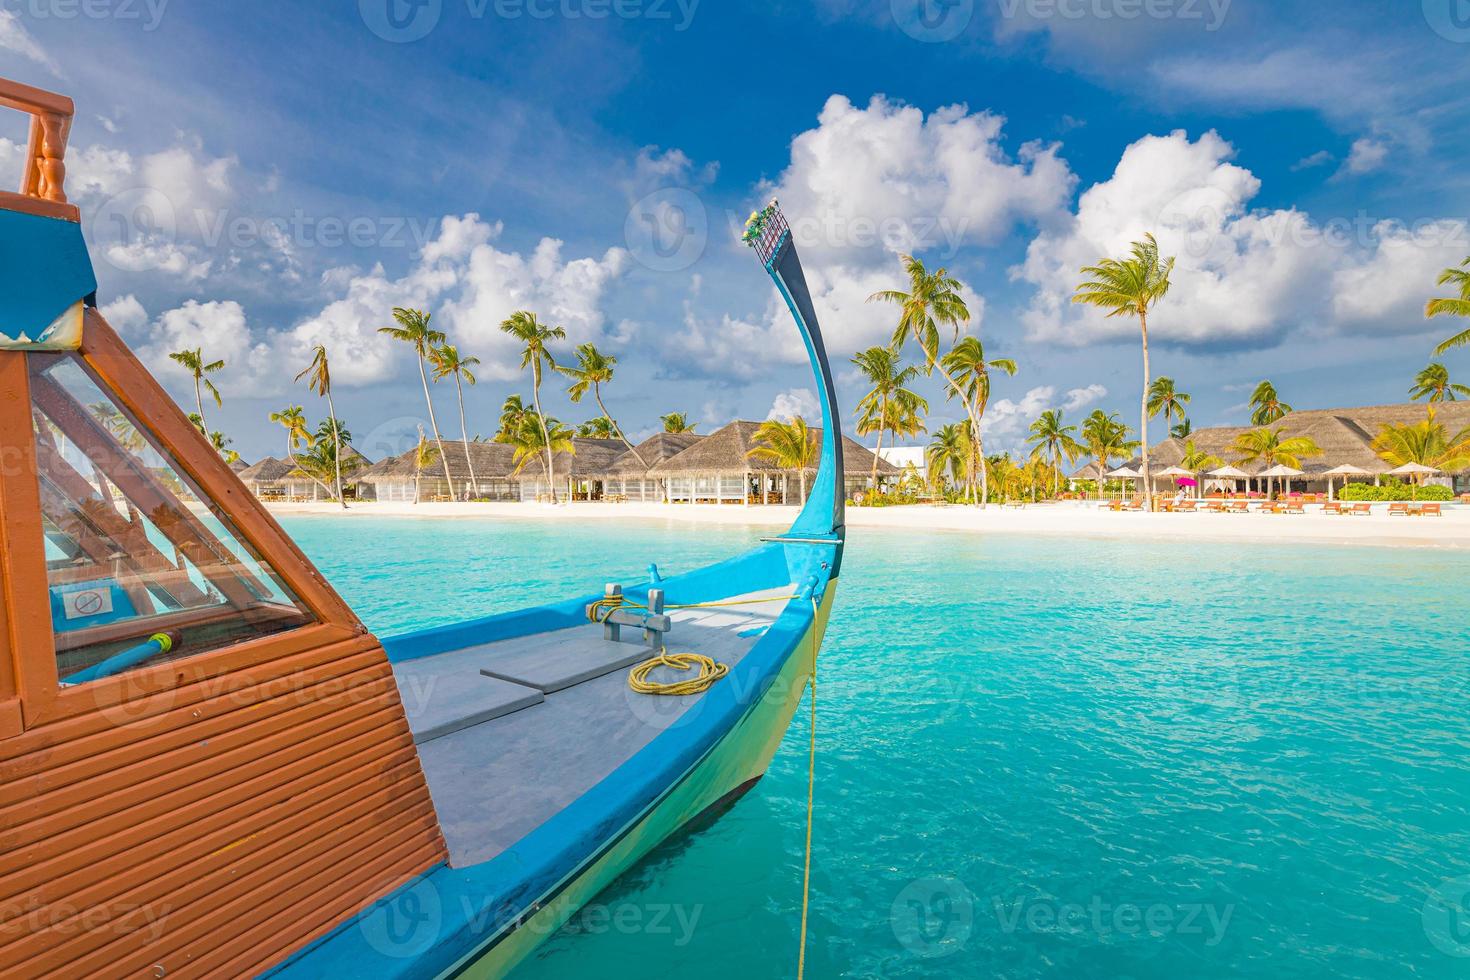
279 479
393 479
903 457
718 469
579 475
1345 436
628 477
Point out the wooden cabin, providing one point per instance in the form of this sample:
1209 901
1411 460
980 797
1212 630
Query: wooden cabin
205 766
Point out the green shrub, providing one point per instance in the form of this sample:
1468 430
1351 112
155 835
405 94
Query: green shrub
1394 491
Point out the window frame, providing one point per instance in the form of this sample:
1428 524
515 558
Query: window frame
30 690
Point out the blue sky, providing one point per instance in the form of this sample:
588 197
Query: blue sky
259 178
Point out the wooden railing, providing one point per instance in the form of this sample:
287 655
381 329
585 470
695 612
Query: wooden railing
43 185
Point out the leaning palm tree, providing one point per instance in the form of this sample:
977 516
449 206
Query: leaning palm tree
1165 397
888 376
933 299
413 329
1131 287
1454 305
1105 438
1181 429
322 461
193 361
319 379
536 355
970 367
1434 384
1267 447
789 445
448 361
1050 438
676 422
595 369
1267 408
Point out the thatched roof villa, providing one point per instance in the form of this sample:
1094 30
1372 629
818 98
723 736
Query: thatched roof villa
628 477
279 479
1345 436
717 469
393 478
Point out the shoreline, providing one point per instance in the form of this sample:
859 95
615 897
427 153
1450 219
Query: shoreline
1069 519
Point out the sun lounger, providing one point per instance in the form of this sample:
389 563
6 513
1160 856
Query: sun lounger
1360 510
1398 510
1293 507
1237 507
1186 507
1332 508
1430 510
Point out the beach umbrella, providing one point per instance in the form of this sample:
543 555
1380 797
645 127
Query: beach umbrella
1345 470
1124 473
1415 470
1229 473
1281 472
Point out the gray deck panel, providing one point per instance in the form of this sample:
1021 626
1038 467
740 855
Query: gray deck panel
575 656
451 694
497 781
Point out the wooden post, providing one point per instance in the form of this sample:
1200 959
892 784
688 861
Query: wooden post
654 638
610 630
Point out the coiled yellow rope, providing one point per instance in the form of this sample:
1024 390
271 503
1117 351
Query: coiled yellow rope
709 672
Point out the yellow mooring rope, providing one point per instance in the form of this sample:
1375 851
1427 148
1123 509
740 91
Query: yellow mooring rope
709 672
811 784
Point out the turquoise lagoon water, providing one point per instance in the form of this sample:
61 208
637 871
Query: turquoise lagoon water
1038 756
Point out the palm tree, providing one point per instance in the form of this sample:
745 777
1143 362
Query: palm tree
537 438
948 453
193 361
1049 437
595 369
1131 287
1267 408
298 436
423 458
319 379
1198 462
513 412
885 371
324 459
1181 429
933 299
413 329
1453 306
1427 443
967 362
534 337
676 422
1434 383
448 361
1105 438
790 445
601 427
1267 447
1164 397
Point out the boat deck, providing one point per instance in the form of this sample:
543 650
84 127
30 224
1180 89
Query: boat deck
495 780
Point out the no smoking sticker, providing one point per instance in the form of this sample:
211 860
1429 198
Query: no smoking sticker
87 602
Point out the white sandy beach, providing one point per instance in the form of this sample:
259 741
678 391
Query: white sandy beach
1062 519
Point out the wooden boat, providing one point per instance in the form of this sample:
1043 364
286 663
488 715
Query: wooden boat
211 768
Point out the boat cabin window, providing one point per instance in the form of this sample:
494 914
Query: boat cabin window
142 566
